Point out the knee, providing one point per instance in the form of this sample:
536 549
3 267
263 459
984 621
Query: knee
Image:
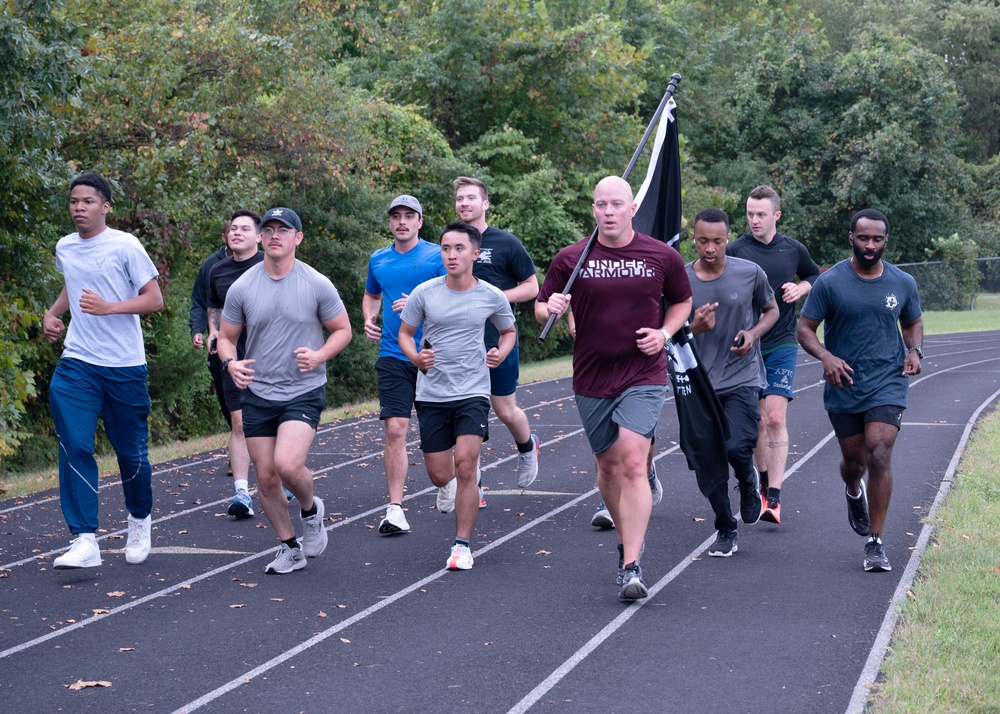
395 432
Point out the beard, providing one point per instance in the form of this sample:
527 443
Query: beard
865 260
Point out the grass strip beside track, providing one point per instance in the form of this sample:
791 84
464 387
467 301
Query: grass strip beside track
944 653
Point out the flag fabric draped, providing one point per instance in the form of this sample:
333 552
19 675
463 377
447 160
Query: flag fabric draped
659 197
704 428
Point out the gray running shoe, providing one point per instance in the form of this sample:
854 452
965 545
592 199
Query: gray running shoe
446 496
621 561
287 560
602 519
633 586
527 465
725 544
314 535
875 557
857 511
655 486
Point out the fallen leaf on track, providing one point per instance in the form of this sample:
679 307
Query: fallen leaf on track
81 684
116 593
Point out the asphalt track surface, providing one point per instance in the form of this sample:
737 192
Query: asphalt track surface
790 623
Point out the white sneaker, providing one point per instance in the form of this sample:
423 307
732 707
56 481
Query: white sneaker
394 521
446 496
460 558
83 553
314 535
140 539
527 465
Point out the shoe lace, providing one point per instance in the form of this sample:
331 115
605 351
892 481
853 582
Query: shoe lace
134 529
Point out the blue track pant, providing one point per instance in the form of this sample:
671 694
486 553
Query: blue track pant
78 394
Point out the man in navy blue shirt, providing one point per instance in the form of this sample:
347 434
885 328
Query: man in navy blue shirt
867 365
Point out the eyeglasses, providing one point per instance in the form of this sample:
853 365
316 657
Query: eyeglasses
283 232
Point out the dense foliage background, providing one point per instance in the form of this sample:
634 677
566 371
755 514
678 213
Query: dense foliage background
196 107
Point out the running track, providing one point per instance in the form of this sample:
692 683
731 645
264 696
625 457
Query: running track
791 623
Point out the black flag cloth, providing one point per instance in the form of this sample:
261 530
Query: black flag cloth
704 427
659 197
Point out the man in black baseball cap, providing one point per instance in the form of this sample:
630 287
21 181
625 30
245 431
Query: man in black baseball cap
284 215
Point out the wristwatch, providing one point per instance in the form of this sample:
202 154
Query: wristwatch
919 351
225 364
666 337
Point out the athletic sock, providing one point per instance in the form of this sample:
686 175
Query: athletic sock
462 541
243 483
311 512
527 446
292 542
763 480
774 493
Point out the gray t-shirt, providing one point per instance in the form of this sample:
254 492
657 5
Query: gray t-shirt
114 265
742 293
454 323
281 316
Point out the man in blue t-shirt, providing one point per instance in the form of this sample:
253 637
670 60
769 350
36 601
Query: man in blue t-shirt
504 263
393 272
867 365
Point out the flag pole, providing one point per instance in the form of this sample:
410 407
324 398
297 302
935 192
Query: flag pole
671 89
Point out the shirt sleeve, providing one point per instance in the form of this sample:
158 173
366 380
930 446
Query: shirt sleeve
807 270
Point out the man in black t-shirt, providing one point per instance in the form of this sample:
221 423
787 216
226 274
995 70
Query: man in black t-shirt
244 237
198 319
504 263
783 260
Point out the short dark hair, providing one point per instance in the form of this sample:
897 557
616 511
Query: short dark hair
766 192
871 214
252 215
466 181
712 215
96 182
475 237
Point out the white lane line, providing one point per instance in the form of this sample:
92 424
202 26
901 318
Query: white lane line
239 681
566 667
111 483
612 627
869 672
223 568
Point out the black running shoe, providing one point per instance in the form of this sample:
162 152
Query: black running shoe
633 586
857 511
875 557
725 544
751 504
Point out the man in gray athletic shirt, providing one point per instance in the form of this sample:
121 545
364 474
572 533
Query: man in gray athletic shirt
453 386
284 304
734 307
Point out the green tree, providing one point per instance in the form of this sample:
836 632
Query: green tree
40 54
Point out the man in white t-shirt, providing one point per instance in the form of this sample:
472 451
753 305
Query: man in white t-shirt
108 282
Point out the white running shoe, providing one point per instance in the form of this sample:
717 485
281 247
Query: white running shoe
460 558
527 465
394 521
314 535
140 540
446 496
83 553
